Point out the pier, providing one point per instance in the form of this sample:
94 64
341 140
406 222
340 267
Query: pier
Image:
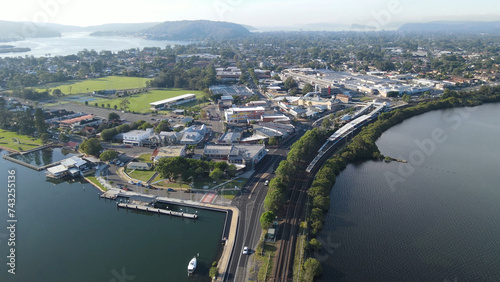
156 210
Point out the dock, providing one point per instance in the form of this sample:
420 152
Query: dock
156 210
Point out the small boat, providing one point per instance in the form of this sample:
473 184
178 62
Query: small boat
192 265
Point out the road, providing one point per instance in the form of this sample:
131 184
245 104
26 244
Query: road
251 207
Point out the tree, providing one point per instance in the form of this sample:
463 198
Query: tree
290 83
107 134
108 155
406 98
57 92
231 170
216 174
266 220
273 141
315 244
86 103
171 168
91 146
145 126
326 123
114 106
276 77
214 270
124 104
113 116
63 138
41 125
312 269
45 138
164 125
307 88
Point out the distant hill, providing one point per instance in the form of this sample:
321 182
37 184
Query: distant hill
20 30
453 26
195 30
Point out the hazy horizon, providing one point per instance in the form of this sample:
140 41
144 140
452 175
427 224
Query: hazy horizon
279 14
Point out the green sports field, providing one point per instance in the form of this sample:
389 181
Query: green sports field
103 83
140 102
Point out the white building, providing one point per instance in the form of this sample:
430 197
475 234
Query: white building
137 137
166 103
247 155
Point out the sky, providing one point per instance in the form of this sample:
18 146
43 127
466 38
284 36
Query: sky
294 14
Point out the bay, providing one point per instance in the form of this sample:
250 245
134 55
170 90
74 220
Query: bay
65 232
434 219
72 42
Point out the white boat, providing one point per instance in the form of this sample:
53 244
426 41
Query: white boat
192 265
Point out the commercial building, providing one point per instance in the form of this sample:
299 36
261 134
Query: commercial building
169 152
139 166
137 137
79 123
247 155
166 103
243 114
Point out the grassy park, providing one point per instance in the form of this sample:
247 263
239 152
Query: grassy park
140 102
103 83
18 142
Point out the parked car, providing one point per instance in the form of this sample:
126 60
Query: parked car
170 190
266 182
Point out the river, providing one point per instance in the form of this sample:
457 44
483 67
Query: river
65 232
72 42
434 219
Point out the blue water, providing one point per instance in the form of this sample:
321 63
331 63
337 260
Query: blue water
435 219
66 233
46 156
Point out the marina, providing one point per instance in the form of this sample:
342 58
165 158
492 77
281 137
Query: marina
156 210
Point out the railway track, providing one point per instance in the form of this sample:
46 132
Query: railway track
283 267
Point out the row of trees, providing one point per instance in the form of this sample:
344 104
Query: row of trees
180 77
288 169
27 122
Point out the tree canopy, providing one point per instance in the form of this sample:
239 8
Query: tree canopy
91 146
108 155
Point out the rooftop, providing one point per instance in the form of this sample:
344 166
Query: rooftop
166 101
77 119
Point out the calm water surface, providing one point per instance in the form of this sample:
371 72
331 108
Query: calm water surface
73 42
436 219
65 233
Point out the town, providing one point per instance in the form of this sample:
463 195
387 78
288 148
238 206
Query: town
217 123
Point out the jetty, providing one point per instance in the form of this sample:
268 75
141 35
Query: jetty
156 210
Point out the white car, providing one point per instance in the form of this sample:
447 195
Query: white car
245 250
266 182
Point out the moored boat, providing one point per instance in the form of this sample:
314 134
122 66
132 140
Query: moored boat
192 265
